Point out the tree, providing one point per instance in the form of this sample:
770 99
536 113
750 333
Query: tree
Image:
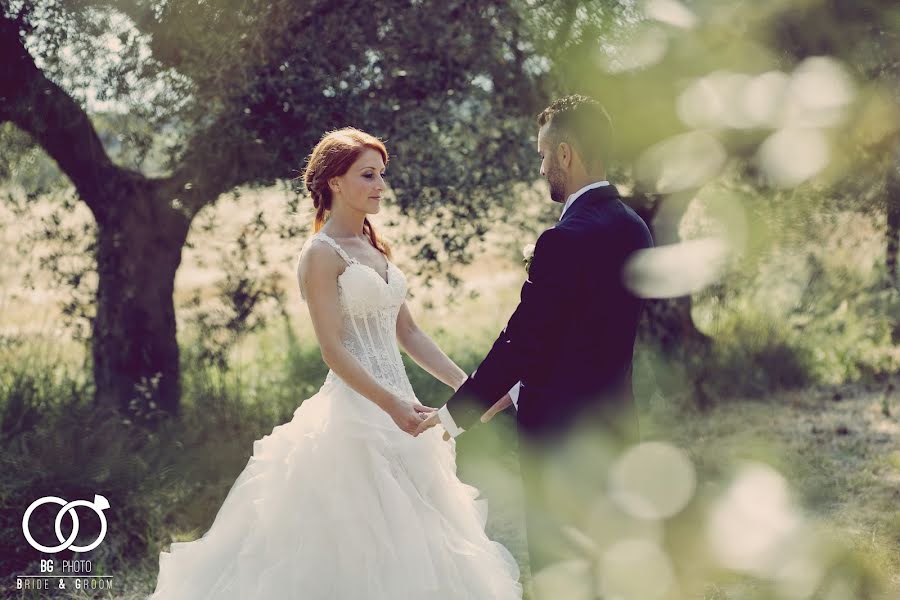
867 36
235 92
244 88
675 77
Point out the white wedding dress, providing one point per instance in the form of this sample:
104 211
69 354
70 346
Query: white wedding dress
339 503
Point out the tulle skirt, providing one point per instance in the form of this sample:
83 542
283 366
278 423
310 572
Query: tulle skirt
339 503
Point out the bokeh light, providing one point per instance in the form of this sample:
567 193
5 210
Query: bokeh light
752 522
671 12
799 574
716 100
608 524
819 92
571 579
681 162
646 47
636 569
676 269
763 97
653 480
791 156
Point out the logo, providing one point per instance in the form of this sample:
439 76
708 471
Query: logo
98 506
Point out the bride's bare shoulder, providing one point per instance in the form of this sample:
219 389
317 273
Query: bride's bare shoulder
318 262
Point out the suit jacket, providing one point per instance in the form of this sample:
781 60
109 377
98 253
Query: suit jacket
571 338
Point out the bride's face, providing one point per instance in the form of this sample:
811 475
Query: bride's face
362 187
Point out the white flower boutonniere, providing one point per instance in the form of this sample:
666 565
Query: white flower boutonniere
527 255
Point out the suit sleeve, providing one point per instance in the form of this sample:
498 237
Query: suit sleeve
531 334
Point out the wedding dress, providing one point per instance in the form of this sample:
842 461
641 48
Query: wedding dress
339 503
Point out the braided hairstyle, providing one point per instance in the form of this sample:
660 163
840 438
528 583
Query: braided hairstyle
332 157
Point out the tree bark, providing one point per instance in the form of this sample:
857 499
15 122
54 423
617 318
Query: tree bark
142 226
892 232
135 348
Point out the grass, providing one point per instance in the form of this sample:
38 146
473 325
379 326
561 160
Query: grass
838 452
780 389
841 459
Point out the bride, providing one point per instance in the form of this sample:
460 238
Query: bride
343 502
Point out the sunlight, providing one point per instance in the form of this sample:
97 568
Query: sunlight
671 12
791 156
653 480
750 525
681 162
676 269
636 569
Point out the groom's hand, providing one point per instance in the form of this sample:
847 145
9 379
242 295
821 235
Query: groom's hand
498 406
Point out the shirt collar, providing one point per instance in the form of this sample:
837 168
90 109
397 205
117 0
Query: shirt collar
575 196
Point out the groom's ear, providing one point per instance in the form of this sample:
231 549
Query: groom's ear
564 155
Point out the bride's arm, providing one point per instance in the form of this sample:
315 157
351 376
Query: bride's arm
425 352
317 274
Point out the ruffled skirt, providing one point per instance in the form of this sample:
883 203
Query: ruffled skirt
339 503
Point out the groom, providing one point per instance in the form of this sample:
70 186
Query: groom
570 340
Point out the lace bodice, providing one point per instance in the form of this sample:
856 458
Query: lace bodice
370 306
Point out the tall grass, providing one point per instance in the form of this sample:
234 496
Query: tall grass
166 482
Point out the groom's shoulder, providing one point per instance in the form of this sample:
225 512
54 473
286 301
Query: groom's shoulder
561 233
567 238
634 225
621 217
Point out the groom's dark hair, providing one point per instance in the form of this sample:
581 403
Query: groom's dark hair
582 122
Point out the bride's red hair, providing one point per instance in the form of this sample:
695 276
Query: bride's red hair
332 157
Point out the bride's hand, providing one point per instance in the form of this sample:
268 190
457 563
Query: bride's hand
408 416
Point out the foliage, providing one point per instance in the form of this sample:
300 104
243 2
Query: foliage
168 484
439 81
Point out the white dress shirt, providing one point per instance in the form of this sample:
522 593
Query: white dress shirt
444 414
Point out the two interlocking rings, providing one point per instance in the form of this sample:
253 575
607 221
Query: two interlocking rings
98 506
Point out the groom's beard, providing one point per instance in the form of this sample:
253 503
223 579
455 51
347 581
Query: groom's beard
557 184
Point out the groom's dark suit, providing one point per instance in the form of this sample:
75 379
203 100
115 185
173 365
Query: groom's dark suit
570 340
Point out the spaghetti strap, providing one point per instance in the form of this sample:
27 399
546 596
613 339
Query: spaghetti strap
325 238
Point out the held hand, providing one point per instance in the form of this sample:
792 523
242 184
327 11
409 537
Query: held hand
499 406
432 420
408 416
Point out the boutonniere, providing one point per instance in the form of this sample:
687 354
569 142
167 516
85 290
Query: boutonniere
528 255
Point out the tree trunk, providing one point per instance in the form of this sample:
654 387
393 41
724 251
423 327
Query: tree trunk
135 349
892 232
142 226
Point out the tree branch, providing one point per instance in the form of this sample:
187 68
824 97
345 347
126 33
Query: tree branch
56 122
215 163
561 37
